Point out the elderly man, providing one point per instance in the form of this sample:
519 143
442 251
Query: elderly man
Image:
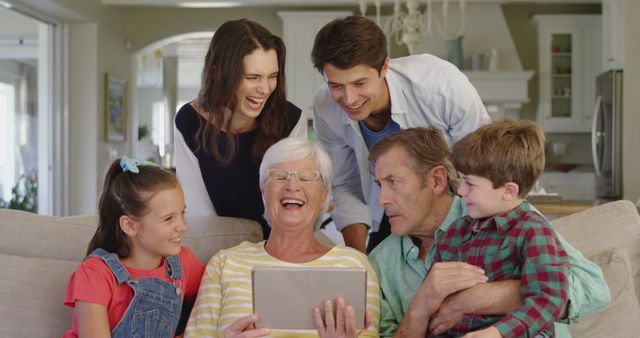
417 183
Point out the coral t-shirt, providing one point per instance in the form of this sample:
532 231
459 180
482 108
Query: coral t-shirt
94 282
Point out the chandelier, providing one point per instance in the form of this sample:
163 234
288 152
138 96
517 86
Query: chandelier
411 26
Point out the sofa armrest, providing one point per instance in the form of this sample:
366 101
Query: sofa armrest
607 226
619 318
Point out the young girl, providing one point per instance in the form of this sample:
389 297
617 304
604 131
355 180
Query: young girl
136 277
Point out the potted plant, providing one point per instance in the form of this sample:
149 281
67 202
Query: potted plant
24 195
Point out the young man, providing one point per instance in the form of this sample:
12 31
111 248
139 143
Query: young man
367 97
417 183
502 233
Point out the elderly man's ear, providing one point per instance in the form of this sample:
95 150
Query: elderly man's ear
438 179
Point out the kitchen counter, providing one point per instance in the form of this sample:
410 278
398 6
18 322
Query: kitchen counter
564 207
572 186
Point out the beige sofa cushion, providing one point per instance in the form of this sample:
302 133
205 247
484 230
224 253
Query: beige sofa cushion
32 296
615 318
32 235
206 236
611 225
66 238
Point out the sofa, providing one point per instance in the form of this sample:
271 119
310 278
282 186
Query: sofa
39 253
609 235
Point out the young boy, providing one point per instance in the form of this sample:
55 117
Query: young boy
502 233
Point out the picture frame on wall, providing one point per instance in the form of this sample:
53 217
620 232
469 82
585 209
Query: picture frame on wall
115 108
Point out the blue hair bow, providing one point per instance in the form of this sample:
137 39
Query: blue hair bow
130 164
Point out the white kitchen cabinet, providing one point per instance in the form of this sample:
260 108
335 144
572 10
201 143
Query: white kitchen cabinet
569 48
571 185
613 34
299 32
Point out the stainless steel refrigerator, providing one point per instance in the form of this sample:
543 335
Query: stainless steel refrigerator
606 135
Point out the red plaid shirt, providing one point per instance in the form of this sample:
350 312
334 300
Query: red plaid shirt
518 244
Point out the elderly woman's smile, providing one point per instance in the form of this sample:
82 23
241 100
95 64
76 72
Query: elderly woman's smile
290 202
294 193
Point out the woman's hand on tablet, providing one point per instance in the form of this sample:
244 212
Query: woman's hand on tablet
245 327
344 322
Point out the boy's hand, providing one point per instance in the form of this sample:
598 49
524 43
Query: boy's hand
490 332
446 278
448 315
494 298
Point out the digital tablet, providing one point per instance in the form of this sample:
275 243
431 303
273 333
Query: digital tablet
284 298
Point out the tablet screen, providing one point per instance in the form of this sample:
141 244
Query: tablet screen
284 298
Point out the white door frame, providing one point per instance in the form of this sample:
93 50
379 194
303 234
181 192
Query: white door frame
133 92
53 113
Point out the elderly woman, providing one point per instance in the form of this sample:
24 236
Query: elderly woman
295 177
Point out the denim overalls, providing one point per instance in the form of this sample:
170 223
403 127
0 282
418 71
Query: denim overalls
154 311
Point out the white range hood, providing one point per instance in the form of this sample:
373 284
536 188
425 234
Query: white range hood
503 92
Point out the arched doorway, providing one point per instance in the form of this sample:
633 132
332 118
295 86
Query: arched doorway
165 75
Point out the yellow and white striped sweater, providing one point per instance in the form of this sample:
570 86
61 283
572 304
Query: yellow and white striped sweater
225 292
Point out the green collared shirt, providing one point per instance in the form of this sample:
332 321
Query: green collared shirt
401 273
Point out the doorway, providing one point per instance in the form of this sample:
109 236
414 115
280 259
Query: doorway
166 75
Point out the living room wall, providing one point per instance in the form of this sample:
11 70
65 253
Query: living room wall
485 27
150 24
631 103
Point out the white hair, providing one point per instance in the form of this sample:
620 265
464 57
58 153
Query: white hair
293 149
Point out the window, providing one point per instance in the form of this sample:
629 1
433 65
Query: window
32 120
18 135
7 137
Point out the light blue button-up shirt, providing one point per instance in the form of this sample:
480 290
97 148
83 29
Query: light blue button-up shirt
425 91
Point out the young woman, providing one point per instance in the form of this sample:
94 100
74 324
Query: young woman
137 276
241 110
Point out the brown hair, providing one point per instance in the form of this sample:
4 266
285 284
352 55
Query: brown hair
503 151
126 193
349 42
425 147
221 76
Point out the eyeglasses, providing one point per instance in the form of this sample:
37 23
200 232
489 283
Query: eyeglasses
304 176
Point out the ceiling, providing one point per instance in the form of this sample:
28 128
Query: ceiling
18 36
302 3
